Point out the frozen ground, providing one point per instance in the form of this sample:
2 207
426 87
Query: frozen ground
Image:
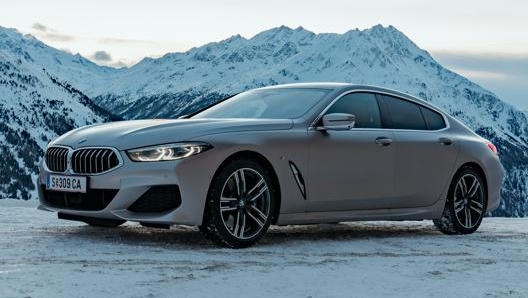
41 256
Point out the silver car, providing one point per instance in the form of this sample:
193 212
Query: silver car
287 154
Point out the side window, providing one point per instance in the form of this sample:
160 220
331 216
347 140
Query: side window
404 114
362 105
433 120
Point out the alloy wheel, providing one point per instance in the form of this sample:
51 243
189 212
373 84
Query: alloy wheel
245 203
468 201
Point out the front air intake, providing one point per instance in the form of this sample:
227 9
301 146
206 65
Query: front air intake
92 200
161 198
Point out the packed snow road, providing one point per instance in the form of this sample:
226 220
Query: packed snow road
42 256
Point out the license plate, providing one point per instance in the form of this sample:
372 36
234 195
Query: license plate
66 183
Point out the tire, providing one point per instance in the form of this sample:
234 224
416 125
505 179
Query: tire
240 204
465 205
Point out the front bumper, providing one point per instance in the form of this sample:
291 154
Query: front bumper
124 185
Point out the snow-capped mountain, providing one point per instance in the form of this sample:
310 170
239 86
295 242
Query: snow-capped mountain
36 105
179 83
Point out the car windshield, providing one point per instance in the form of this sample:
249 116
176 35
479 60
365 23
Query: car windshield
280 103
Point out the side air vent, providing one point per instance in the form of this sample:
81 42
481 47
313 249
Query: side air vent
298 178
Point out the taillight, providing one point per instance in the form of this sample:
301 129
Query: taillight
492 148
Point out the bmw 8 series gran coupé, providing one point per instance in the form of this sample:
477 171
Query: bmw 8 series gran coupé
286 154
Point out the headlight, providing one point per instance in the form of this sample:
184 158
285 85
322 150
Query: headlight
167 151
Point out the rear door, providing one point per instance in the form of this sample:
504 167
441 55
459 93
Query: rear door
425 152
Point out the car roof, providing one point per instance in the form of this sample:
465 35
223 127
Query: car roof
343 87
314 85
339 87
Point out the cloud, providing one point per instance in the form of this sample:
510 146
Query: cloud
479 74
59 37
49 34
502 65
502 73
67 50
101 56
119 64
39 27
104 58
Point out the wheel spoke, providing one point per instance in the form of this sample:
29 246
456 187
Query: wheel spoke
474 191
239 181
479 211
226 204
237 222
260 223
242 225
260 192
459 206
257 215
468 218
227 208
463 186
257 185
474 188
478 204
224 199
260 213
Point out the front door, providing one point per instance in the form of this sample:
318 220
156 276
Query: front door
352 169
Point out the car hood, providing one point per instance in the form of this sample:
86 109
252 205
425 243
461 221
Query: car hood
138 133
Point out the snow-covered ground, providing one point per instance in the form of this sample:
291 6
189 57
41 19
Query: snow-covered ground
41 256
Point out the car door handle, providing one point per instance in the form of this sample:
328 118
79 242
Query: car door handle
383 141
445 141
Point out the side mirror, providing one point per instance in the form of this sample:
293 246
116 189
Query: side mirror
338 121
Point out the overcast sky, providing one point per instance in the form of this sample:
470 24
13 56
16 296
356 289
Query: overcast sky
486 41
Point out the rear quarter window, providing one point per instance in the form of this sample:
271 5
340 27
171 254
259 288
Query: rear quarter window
404 114
434 120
